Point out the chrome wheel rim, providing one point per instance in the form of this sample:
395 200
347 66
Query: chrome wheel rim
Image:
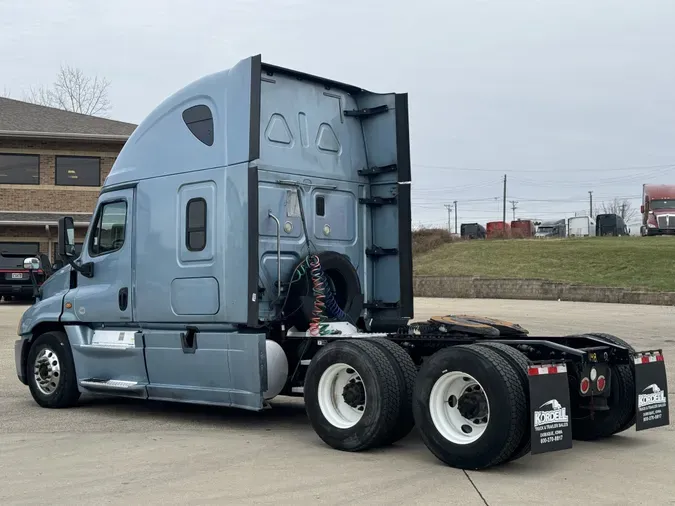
47 371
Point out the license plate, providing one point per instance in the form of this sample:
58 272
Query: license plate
17 275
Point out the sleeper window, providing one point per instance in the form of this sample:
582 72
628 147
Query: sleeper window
195 224
108 233
320 206
200 122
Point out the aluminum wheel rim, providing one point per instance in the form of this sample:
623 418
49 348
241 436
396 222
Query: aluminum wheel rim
444 407
331 393
47 371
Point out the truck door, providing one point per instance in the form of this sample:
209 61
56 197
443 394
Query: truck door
106 297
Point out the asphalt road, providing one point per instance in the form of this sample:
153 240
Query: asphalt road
123 452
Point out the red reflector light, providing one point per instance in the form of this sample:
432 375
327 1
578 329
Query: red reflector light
585 385
601 383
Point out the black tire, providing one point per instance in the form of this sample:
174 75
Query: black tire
406 372
382 390
631 418
66 393
521 364
344 280
622 413
507 406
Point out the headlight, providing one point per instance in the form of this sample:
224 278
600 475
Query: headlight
651 225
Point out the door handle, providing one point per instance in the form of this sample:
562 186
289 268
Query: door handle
123 298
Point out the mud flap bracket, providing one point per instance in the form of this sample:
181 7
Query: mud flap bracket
550 408
651 390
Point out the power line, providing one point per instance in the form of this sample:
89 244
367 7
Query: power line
539 171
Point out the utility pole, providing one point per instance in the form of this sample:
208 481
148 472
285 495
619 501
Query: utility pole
623 211
590 208
513 207
449 208
504 211
455 202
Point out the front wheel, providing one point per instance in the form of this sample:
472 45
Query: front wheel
470 407
51 371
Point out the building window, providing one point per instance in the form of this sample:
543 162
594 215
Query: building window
19 169
195 224
108 232
78 171
200 122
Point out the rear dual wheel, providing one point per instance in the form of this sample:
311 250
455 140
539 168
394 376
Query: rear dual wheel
621 414
358 393
470 406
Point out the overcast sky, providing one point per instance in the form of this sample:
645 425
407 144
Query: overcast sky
562 96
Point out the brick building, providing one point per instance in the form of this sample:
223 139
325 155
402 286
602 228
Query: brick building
52 163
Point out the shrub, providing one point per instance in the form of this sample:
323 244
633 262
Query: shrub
427 239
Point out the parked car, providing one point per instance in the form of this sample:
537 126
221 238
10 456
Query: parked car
15 279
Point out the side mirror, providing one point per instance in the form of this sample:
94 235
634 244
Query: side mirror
31 263
66 247
642 209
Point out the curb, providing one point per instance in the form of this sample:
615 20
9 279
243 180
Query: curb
474 287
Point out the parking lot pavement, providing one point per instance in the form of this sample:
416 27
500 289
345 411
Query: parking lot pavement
127 452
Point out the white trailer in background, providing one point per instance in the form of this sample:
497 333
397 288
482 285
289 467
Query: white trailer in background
581 226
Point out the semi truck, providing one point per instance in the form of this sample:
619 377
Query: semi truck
581 226
472 231
253 239
552 228
657 209
610 224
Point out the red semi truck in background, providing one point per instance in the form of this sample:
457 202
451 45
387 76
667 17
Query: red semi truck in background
658 209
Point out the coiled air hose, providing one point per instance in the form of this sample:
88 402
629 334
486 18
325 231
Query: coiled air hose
323 295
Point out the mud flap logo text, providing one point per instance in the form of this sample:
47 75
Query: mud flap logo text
651 397
552 418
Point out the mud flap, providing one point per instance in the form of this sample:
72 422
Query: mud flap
651 389
550 408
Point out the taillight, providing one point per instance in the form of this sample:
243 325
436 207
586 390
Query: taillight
585 385
601 383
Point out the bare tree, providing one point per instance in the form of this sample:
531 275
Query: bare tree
74 91
6 92
621 207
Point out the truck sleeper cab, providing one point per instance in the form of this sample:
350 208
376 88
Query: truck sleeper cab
211 208
253 239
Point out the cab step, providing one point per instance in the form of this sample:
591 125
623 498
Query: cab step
112 385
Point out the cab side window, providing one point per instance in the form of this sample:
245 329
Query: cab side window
195 226
109 230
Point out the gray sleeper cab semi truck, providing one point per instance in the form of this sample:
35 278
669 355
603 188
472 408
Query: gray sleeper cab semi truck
253 239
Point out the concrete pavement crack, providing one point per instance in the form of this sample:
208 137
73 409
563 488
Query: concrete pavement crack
475 488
